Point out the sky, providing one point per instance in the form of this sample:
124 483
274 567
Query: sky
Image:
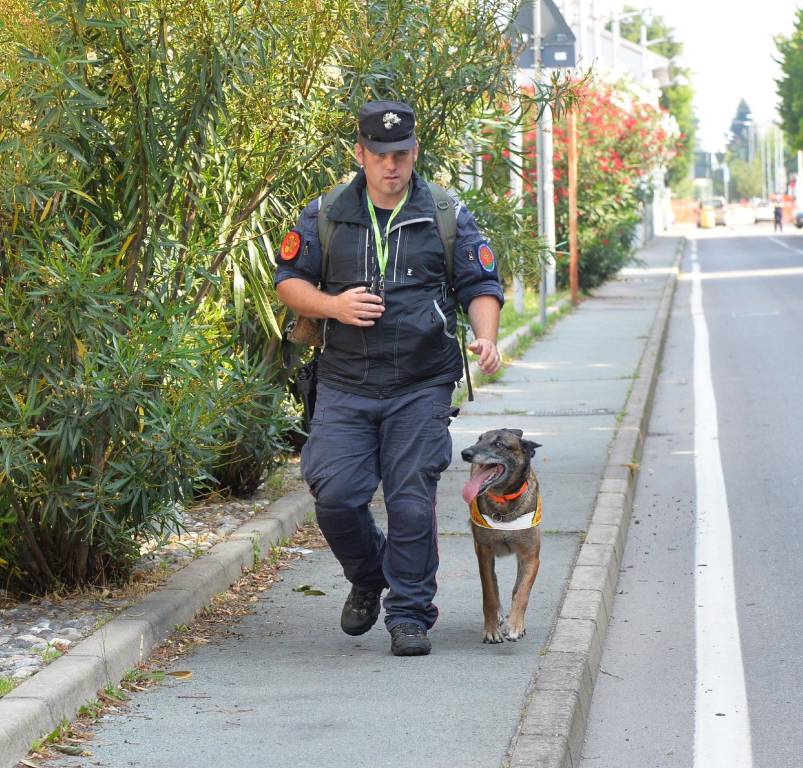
728 44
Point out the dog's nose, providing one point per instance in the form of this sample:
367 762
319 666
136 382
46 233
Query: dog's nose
467 454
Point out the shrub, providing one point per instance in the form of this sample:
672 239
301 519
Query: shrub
101 428
252 426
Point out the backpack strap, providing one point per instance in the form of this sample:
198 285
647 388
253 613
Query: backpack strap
446 220
326 226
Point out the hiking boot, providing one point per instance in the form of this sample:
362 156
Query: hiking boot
409 640
360 611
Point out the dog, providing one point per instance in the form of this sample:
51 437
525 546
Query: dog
504 499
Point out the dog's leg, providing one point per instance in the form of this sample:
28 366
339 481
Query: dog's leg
525 578
491 605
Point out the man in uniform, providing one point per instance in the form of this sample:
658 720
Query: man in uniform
387 370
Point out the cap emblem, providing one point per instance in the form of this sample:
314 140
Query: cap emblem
389 119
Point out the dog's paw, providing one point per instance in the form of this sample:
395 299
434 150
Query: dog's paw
514 633
492 636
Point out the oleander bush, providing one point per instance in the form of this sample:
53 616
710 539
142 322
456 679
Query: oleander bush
623 137
102 430
255 423
152 153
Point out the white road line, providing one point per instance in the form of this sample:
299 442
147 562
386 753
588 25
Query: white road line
785 245
722 722
738 274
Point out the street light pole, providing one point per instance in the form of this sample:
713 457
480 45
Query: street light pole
541 177
517 191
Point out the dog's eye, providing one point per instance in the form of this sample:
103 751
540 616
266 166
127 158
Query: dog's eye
498 443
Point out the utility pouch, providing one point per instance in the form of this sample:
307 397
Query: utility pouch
306 331
306 384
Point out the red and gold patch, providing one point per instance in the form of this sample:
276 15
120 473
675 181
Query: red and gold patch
486 257
290 245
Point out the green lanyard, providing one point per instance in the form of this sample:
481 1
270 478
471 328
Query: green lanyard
382 245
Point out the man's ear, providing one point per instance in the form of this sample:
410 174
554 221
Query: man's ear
358 153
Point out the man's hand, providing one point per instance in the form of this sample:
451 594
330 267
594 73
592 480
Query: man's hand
490 361
357 306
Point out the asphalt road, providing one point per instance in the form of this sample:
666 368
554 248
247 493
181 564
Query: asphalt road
669 628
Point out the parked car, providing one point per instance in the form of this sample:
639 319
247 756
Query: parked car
799 219
763 210
712 212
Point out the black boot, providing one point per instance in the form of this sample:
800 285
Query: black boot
360 611
409 640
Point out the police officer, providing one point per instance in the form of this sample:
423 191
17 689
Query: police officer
388 368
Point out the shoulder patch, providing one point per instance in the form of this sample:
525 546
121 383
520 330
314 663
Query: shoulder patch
486 257
290 246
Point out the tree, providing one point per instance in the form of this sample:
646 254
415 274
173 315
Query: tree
745 178
790 84
741 126
677 97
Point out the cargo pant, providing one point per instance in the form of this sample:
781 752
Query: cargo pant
403 441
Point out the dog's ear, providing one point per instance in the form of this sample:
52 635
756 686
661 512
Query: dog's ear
517 432
529 446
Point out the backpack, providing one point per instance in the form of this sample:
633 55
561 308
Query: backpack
446 221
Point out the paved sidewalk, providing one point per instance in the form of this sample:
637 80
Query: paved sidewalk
292 689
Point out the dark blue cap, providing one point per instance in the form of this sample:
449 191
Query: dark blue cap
387 126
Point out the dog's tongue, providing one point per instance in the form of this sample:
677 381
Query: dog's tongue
472 487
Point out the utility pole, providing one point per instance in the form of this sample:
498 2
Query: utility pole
549 196
799 180
540 172
574 256
517 191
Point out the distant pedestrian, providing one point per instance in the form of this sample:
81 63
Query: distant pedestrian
778 213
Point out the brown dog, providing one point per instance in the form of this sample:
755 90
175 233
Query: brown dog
505 503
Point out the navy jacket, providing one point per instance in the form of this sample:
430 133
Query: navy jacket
414 344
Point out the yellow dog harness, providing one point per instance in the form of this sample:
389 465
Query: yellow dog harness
530 520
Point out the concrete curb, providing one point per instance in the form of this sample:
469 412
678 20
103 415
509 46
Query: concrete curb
553 724
37 706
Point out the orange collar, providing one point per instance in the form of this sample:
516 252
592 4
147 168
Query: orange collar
507 496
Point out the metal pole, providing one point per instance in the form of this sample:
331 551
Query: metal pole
582 32
540 173
768 161
643 43
799 180
477 171
617 33
573 252
549 198
517 192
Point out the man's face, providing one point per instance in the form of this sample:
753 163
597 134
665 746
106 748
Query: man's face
387 175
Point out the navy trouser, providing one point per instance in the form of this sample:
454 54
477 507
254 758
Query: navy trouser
403 441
